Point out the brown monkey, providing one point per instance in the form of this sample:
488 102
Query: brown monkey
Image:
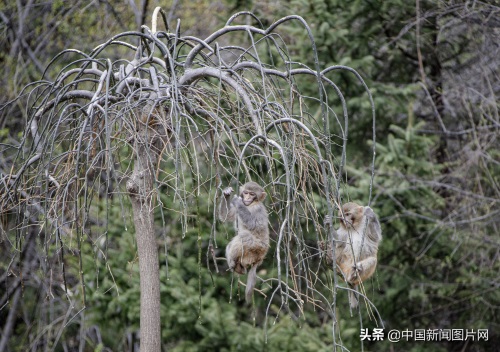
250 245
356 247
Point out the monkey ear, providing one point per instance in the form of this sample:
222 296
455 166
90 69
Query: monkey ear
262 196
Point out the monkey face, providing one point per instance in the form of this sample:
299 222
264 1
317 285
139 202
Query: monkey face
248 197
252 192
350 215
347 219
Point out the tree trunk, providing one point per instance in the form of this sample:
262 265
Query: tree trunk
140 189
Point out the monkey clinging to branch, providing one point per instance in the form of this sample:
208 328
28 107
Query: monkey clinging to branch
250 245
356 247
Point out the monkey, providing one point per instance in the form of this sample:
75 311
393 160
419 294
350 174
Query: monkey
251 243
356 248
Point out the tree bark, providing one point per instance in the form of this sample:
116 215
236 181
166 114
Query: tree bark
140 189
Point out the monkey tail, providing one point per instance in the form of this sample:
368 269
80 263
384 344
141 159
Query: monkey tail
251 279
353 297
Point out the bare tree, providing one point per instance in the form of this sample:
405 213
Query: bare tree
228 107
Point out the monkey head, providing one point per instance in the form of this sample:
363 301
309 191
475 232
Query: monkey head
351 215
251 192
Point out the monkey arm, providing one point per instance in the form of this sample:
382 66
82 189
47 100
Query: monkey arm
255 220
234 252
339 236
374 231
341 239
227 210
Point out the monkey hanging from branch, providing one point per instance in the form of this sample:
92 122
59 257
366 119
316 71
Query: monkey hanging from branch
251 243
356 248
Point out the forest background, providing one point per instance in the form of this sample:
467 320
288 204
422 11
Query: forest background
434 73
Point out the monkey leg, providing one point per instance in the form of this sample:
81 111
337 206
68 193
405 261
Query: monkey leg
253 255
234 252
345 268
239 255
362 270
236 266
243 251
232 263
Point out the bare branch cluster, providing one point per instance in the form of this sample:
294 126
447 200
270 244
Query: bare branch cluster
197 114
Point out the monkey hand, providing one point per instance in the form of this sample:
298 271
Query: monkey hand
227 191
238 202
369 213
357 269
